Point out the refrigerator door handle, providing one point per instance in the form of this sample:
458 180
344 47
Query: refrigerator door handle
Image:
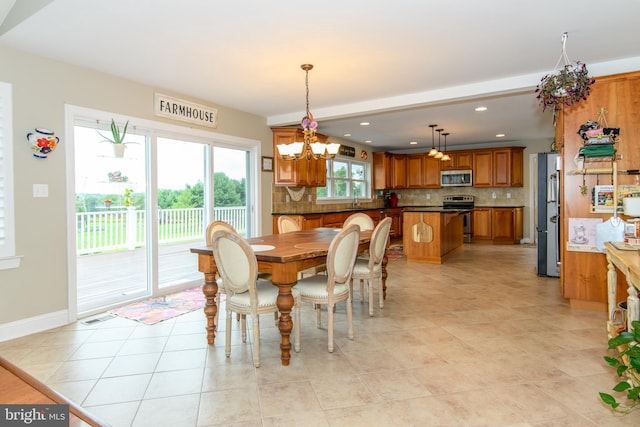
552 190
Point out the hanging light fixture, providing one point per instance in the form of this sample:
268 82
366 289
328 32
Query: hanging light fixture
439 154
310 146
445 156
433 150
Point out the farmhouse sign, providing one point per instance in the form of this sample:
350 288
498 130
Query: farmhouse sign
178 109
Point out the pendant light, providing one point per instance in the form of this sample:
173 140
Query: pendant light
439 154
445 157
433 150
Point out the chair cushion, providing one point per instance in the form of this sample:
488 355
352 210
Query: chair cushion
361 268
267 295
316 287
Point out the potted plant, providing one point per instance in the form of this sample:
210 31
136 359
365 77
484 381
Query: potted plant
117 138
627 364
128 197
107 203
564 87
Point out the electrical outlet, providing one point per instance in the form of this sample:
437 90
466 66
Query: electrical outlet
287 198
494 195
309 197
508 195
428 196
399 196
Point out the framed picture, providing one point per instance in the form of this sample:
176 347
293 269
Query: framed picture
267 164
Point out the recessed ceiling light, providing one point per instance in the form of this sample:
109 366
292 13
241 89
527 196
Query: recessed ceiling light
413 142
368 141
365 124
481 108
347 134
500 135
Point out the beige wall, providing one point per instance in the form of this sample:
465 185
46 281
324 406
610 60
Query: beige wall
41 88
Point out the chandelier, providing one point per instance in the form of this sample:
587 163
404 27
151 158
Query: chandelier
310 146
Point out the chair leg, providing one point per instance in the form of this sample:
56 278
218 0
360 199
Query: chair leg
296 326
318 315
349 320
256 340
276 318
370 286
330 327
362 291
243 320
381 293
227 341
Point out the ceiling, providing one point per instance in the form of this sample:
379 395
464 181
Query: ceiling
399 66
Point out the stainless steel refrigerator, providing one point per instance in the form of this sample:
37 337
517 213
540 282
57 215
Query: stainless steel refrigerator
548 214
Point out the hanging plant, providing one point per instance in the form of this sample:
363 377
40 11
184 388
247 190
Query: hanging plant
565 86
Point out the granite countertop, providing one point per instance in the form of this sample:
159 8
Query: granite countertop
432 208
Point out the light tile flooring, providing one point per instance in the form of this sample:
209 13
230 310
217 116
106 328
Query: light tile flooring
477 341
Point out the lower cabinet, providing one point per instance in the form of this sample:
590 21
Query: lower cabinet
396 221
497 225
336 219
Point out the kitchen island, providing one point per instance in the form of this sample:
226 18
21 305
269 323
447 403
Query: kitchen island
432 234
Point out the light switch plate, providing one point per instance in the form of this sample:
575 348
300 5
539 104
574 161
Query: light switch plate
40 190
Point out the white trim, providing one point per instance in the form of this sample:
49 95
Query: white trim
533 191
32 325
8 248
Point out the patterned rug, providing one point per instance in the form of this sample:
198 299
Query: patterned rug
395 252
156 310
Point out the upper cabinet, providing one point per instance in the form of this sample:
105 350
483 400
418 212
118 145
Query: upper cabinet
498 167
459 160
297 173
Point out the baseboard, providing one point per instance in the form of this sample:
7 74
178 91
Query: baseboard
32 325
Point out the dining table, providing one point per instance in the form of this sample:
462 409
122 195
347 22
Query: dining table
283 256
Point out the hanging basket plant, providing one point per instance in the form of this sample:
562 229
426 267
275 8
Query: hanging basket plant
565 86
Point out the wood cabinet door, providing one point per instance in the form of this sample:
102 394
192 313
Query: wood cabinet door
517 167
399 171
311 221
482 169
284 170
414 171
381 170
430 172
464 160
502 168
481 224
502 226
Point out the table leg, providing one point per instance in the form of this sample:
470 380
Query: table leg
285 304
385 260
210 289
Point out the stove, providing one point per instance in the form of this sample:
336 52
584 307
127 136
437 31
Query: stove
461 202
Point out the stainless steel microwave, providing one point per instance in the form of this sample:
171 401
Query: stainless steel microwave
456 178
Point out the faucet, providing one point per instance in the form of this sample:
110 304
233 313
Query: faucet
356 202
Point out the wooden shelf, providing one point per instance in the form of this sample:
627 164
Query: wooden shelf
601 171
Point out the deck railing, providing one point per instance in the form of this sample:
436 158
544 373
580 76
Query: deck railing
126 228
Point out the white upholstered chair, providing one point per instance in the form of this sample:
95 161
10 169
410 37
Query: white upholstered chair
333 287
246 295
362 219
370 269
286 224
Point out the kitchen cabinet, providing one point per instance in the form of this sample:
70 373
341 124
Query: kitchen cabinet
481 224
396 221
483 168
398 171
297 173
334 220
508 167
459 160
382 170
415 178
430 172
506 225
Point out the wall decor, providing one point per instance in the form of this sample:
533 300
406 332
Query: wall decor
267 164
185 111
43 141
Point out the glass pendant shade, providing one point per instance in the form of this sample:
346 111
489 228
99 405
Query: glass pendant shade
433 150
445 156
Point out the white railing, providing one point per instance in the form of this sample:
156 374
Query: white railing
125 229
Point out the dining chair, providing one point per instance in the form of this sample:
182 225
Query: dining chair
211 229
287 224
362 219
333 287
246 295
370 269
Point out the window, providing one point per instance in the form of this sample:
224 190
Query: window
7 232
346 179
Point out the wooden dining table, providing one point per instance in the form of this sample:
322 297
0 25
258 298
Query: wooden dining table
282 255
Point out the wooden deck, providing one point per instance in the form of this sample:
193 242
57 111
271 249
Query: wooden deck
109 279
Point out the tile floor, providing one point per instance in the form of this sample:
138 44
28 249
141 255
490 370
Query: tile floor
478 341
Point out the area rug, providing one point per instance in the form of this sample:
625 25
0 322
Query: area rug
395 252
156 310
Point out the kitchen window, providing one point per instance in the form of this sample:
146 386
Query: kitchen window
7 231
346 179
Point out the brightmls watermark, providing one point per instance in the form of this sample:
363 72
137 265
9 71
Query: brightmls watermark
34 415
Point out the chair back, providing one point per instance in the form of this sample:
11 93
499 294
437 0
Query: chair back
378 243
215 226
362 219
342 255
286 224
236 262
